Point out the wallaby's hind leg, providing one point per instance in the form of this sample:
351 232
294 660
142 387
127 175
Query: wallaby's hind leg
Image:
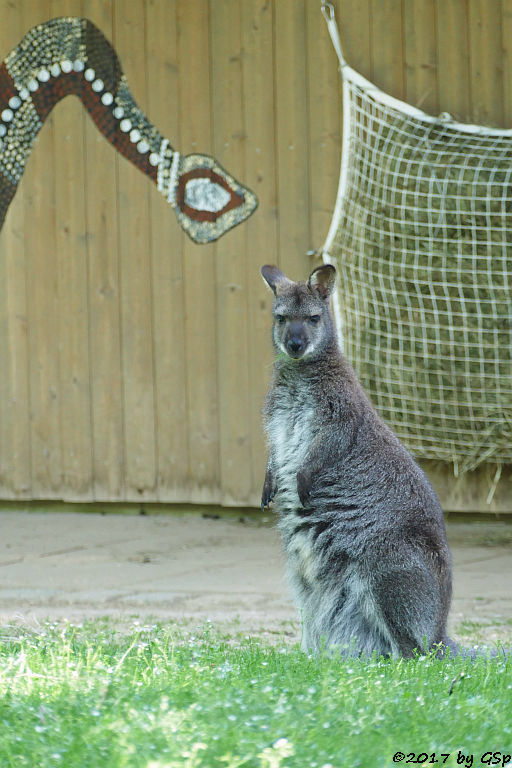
410 605
346 620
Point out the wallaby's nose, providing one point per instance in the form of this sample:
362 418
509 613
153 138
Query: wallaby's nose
295 346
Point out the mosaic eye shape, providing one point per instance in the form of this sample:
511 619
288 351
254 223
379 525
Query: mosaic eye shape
205 195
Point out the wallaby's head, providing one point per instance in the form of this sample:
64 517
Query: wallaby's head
303 326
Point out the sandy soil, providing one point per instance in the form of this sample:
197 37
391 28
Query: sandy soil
168 567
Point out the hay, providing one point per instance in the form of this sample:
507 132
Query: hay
424 250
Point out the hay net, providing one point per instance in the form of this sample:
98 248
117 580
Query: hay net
422 239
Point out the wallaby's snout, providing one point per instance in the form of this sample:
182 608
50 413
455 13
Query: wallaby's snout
296 340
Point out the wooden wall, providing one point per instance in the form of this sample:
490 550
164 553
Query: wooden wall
134 362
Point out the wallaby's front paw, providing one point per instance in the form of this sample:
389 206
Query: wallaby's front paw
304 486
269 491
266 499
269 488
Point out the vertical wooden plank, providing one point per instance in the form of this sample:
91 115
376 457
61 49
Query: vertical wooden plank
70 230
261 228
198 261
324 113
453 58
354 22
420 55
15 458
166 258
387 46
506 32
42 295
104 301
291 138
136 299
485 71
232 288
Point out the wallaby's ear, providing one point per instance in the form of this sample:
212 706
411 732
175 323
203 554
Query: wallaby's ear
274 278
322 280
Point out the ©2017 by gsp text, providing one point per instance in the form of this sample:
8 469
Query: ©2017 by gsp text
453 758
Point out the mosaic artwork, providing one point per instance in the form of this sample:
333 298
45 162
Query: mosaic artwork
67 56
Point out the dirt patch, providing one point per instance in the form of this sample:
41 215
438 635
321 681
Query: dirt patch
169 567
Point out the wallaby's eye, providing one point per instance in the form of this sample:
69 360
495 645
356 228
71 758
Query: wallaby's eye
314 319
280 319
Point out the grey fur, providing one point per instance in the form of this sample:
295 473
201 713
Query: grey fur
367 555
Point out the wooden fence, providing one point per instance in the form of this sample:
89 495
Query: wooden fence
134 362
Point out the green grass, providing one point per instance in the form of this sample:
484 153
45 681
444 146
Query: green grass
161 698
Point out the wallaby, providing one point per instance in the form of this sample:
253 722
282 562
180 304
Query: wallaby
367 554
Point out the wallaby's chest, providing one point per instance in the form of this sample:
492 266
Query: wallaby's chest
291 430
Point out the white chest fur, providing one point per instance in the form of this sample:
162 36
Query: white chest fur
291 431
